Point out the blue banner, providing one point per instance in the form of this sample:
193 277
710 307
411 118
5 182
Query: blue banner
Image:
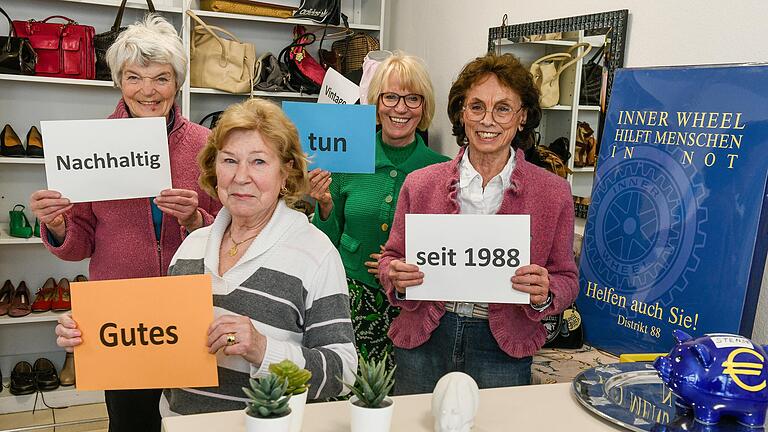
337 138
676 234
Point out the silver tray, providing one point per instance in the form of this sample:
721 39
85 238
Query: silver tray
632 396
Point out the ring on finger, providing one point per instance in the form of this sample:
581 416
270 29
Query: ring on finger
231 339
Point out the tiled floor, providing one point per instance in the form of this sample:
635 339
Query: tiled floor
94 418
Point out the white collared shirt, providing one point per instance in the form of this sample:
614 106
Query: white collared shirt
473 199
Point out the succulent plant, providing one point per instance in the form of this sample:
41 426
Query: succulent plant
296 376
373 383
267 397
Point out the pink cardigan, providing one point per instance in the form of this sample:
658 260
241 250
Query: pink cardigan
119 236
534 191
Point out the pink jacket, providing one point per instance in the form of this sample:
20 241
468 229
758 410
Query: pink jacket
119 236
534 191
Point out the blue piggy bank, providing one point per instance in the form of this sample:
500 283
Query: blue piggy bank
717 374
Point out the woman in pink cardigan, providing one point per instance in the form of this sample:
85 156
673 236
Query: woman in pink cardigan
494 109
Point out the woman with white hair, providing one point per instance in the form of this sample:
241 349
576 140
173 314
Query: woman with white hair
136 238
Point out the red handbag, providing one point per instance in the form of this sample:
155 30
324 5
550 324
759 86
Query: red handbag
306 74
63 50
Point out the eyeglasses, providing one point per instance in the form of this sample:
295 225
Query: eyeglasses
134 80
391 100
501 113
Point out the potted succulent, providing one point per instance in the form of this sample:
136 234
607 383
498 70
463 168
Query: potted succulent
371 408
267 410
297 387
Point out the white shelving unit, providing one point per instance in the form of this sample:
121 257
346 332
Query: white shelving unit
26 100
562 119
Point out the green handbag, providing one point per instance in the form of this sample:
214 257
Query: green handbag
19 225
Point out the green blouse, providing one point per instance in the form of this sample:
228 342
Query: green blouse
364 204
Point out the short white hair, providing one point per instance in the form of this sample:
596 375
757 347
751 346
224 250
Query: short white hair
153 40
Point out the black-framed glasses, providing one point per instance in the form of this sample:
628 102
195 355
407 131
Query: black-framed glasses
391 100
501 113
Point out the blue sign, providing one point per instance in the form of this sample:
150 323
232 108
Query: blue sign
337 138
676 234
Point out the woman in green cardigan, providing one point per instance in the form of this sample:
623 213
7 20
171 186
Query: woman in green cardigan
356 210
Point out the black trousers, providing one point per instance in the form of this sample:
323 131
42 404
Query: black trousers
133 410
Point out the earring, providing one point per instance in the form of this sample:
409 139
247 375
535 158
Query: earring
283 191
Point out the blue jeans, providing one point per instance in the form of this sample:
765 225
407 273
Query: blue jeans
459 344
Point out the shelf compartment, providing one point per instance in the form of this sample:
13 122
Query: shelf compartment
134 4
34 317
584 170
284 95
292 21
50 80
62 396
22 161
6 239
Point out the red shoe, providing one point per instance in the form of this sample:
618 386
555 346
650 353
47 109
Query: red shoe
44 296
62 300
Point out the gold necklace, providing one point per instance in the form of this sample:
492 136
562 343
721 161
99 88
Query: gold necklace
233 249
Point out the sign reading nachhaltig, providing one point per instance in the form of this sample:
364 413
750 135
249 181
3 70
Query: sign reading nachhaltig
99 160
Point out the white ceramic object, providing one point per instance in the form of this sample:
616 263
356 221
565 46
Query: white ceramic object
370 419
455 402
255 424
297 402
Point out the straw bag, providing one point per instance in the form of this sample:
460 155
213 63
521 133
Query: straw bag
546 72
352 50
219 63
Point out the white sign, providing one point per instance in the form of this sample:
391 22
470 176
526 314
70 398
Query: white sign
469 258
100 160
337 89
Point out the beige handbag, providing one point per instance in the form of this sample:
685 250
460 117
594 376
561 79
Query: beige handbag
546 72
220 63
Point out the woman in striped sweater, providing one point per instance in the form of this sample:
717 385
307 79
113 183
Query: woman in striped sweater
278 282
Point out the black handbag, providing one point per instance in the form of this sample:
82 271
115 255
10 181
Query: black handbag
290 60
214 118
16 54
320 11
592 80
565 329
103 41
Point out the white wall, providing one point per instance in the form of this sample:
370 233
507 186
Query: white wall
448 33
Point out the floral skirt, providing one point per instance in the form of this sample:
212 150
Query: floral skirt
371 316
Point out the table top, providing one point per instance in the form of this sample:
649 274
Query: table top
535 407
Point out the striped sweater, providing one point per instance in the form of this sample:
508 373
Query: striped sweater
291 283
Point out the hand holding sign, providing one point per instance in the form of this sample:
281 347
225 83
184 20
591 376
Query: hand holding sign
49 208
534 280
320 182
236 335
68 336
181 204
404 275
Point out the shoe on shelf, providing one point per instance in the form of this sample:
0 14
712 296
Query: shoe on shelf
67 375
34 143
44 296
36 231
18 223
22 379
46 377
10 143
6 295
62 300
20 304
80 278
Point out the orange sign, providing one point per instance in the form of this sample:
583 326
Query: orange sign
144 333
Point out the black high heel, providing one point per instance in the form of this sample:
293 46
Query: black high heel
34 143
10 143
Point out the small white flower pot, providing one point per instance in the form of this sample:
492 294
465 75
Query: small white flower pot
371 419
297 402
257 424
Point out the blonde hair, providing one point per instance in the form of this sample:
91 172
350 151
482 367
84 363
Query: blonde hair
152 40
276 129
412 75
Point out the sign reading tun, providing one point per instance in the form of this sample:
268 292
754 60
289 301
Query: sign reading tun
99 160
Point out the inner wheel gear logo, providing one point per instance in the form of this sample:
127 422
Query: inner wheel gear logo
644 230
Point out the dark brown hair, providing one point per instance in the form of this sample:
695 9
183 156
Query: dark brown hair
511 73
